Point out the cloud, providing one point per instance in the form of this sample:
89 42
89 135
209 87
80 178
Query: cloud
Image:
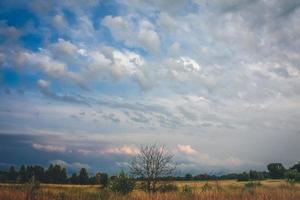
124 29
146 7
41 61
84 151
49 148
111 117
198 158
149 39
44 88
120 28
10 34
207 73
43 84
65 48
74 165
187 149
93 65
2 59
125 150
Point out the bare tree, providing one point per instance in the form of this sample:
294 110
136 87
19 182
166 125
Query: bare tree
152 162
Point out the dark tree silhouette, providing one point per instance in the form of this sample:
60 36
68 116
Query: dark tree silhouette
276 170
296 167
83 177
22 178
12 174
74 179
188 176
56 174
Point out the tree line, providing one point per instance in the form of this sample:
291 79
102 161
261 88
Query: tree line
53 174
275 171
153 164
58 175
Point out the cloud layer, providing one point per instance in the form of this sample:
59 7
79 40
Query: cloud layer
210 79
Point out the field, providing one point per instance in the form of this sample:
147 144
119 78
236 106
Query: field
210 190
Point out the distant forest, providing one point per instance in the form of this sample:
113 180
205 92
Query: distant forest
58 175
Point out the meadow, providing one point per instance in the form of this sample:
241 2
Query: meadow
187 190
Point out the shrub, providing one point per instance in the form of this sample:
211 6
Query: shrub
122 184
243 177
167 188
292 176
297 177
206 187
187 189
255 175
252 184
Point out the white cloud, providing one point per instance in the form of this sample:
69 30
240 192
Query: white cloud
74 165
187 149
198 158
120 29
63 47
124 29
41 61
10 33
188 64
84 151
49 148
126 150
126 62
149 39
166 22
59 21
43 84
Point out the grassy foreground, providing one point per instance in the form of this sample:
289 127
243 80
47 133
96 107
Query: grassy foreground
211 190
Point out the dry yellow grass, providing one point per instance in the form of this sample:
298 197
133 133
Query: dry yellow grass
220 190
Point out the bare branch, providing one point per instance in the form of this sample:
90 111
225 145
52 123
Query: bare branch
151 163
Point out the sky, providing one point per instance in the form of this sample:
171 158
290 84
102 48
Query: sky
86 83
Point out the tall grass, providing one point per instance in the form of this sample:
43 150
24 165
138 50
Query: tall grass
216 192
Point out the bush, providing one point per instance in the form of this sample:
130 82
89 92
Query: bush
255 175
167 188
122 184
292 176
206 187
252 184
243 177
187 189
297 177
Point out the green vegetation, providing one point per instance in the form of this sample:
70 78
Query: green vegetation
58 175
122 183
168 187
